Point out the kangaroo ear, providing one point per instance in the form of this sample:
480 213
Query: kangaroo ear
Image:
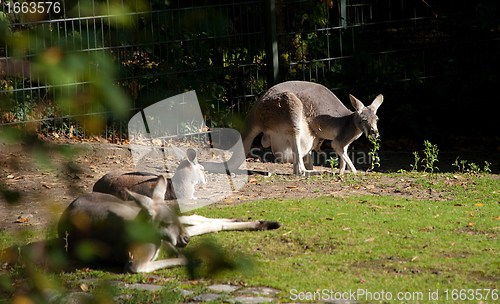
160 189
377 102
191 155
143 201
358 105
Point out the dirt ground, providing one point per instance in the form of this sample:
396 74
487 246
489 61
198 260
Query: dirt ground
45 190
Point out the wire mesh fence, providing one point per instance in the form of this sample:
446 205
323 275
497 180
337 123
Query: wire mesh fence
218 48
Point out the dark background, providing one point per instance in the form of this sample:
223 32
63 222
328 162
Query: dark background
435 62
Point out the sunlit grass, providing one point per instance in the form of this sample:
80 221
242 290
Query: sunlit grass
372 242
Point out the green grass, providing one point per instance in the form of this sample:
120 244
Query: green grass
370 242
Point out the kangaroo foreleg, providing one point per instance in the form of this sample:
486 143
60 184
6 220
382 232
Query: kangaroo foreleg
344 158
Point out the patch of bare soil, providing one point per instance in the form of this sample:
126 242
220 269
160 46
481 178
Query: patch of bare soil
48 182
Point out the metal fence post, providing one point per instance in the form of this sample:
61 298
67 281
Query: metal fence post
343 13
271 42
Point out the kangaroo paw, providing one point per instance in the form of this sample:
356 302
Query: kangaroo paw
269 225
312 172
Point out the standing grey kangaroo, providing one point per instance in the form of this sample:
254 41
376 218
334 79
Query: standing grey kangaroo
188 174
296 116
106 224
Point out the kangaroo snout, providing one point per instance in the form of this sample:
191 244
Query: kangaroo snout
370 131
374 133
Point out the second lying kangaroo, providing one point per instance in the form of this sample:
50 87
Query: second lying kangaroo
106 225
296 116
188 174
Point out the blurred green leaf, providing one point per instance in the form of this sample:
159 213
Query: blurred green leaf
207 259
142 232
119 14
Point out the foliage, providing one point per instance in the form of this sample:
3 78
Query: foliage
416 161
71 83
178 55
299 49
186 56
486 167
427 161
373 153
431 153
162 48
333 162
463 166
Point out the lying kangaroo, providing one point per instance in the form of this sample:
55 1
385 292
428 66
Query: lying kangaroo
296 116
107 224
188 174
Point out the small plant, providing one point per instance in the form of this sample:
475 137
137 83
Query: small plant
416 161
430 156
373 153
486 168
460 165
472 168
333 161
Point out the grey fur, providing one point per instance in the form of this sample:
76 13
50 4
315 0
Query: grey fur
188 174
103 221
296 116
